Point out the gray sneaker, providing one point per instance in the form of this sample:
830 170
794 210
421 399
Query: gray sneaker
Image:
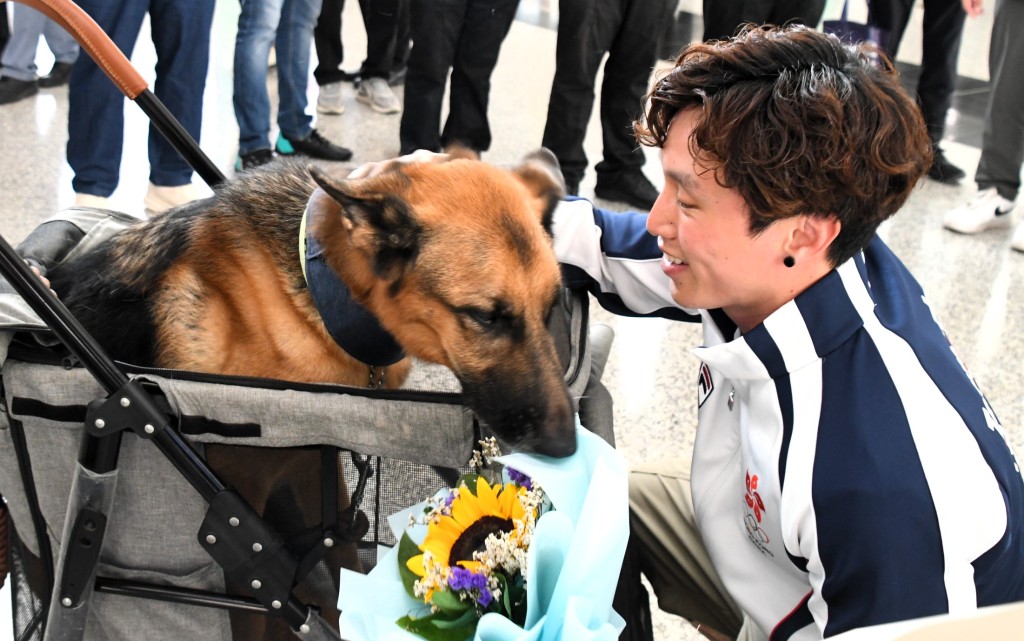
329 101
376 93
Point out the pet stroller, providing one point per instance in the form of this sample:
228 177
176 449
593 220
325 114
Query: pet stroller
102 538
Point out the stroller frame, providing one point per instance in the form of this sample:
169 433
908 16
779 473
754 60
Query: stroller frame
233 533
129 406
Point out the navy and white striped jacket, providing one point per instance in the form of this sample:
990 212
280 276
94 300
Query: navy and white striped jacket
847 471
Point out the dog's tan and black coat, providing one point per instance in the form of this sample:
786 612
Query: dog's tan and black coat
454 259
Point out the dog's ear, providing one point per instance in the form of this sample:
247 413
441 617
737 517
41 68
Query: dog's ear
542 175
378 219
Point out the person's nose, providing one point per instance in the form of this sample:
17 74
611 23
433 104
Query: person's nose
659 221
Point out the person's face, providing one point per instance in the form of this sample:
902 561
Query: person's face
704 231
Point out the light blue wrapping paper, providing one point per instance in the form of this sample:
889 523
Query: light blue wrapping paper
574 559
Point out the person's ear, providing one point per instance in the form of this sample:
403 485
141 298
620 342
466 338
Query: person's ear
810 237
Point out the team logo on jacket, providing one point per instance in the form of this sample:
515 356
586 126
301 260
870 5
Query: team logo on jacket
704 384
754 514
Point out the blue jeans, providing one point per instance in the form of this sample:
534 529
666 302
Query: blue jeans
181 37
19 57
288 25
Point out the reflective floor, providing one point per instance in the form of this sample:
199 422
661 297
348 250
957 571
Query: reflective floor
974 283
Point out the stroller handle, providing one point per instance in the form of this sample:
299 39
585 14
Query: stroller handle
95 41
128 80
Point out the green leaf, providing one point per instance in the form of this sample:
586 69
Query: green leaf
427 627
407 549
470 480
450 602
468 617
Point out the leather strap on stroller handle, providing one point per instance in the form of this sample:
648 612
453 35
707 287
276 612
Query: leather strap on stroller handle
128 80
95 41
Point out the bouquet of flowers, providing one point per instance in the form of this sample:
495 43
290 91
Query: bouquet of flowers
530 552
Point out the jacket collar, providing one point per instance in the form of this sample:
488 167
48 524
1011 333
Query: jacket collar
818 321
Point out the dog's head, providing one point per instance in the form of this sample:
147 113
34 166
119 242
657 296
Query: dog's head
455 260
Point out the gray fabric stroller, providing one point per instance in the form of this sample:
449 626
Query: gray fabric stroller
231 521
300 478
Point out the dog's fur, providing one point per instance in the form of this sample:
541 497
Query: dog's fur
454 259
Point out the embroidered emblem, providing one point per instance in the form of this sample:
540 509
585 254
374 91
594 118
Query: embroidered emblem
704 384
755 512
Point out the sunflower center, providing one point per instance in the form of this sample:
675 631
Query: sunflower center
472 538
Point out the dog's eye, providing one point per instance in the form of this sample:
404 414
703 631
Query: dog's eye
485 317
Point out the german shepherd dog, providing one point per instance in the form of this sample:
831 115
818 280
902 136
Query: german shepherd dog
453 259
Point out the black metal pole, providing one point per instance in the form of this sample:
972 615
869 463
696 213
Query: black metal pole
180 139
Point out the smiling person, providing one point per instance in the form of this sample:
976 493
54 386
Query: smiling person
847 471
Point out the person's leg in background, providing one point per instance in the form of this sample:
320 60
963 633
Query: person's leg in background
806 12
18 62
330 53
257 28
181 38
723 17
96 106
293 43
942 32
1002 145
578 54
403 45
632 54
5 26
436 25
65 51
381 19
942 29
486 25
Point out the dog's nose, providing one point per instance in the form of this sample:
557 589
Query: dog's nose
557 447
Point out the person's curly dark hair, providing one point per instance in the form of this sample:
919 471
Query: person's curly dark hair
799 123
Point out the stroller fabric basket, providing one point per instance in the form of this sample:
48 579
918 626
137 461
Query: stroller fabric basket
322 465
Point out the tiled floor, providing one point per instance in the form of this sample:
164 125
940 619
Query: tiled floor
975 284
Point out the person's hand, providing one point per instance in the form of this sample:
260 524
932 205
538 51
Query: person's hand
371 169
973 7
46 281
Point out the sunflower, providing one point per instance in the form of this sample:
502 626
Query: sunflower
452 539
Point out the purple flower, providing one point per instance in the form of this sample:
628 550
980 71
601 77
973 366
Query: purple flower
462 579
519 478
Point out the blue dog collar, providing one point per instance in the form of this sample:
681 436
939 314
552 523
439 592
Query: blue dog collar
351 325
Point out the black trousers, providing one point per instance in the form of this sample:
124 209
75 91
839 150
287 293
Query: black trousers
387 29
723 17
463 36
942 31
628 31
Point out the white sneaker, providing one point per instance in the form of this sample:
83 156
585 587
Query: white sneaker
1018 238
89 200
376 93
988 210
330 101
160 199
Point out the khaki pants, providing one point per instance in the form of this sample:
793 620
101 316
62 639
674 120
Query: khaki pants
667 548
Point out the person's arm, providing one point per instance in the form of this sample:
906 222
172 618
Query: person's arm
612 255
973 7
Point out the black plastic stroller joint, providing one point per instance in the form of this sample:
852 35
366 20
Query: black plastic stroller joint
129 408
250 552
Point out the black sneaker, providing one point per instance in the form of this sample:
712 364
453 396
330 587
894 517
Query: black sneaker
12 90
944 171
630 187
58 75
253 159
314 145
